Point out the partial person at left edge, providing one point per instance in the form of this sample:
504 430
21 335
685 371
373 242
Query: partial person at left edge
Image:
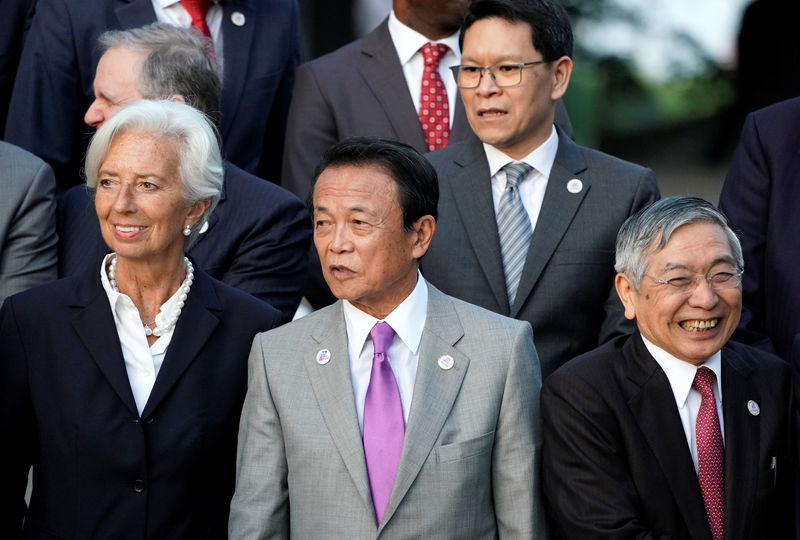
27 221
122 386
257 237
256 45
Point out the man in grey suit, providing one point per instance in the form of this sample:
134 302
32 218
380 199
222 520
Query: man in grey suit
528 219
397 412
28 242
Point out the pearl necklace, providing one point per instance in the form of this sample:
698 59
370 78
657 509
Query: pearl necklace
170 321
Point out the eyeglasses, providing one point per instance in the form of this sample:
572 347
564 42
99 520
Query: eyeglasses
718 281
503 75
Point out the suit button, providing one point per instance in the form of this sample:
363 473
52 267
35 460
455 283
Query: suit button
138 486
148 420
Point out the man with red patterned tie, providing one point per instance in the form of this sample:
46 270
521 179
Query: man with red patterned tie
673 432
398 412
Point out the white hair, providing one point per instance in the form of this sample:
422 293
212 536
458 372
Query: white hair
199 159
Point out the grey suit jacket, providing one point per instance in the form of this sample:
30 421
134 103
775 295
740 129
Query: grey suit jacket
567 289
470 461
28 242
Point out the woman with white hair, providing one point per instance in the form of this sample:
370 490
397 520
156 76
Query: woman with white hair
123 387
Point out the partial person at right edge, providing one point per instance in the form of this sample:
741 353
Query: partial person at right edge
515 66
760 197
257 237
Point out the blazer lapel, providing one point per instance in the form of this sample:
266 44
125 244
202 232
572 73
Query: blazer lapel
135 13
558 209
472 193
435 391
333 389
199 318
742 442
653 405
382 73
236 39
94 324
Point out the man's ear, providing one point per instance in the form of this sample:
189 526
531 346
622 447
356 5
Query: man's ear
178 98
423 229
626 293
562 71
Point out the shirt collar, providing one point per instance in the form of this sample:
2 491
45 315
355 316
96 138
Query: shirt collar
407 319
408 41
541 159
681 374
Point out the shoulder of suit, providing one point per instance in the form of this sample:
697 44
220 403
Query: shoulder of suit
19 159
594 366
443 158
596 158
342 58
755 358
488 319
245 186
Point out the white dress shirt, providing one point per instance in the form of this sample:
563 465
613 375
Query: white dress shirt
531 191
408 321
142 361
681 376
408 43
172 12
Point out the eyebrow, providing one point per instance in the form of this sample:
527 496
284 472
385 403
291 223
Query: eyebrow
727 259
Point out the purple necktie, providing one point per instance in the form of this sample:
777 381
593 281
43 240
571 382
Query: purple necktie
384 426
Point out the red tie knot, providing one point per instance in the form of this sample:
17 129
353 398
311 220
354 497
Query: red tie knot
704 381
433 53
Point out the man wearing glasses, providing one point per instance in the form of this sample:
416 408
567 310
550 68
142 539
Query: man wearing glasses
673 432
527 217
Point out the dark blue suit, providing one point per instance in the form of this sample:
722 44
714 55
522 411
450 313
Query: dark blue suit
257 239
760 197
53 88
101 470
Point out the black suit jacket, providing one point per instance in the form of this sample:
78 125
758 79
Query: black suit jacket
567 289
617 463
257 238
100 470
54 88
760 197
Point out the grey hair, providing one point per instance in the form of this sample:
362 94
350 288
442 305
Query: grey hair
177 62
199 159
649 230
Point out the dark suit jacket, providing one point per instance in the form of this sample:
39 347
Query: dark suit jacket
567 289
54 83
100 470
617 463
760 197
257 239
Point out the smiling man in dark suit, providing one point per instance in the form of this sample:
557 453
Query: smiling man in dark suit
256 43
551 264
673 432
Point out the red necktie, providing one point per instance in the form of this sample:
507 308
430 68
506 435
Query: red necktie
197 9
434 111
384 426
710 452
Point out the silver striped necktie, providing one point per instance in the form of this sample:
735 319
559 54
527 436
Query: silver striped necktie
514 228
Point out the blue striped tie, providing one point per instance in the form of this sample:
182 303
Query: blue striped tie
514 228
